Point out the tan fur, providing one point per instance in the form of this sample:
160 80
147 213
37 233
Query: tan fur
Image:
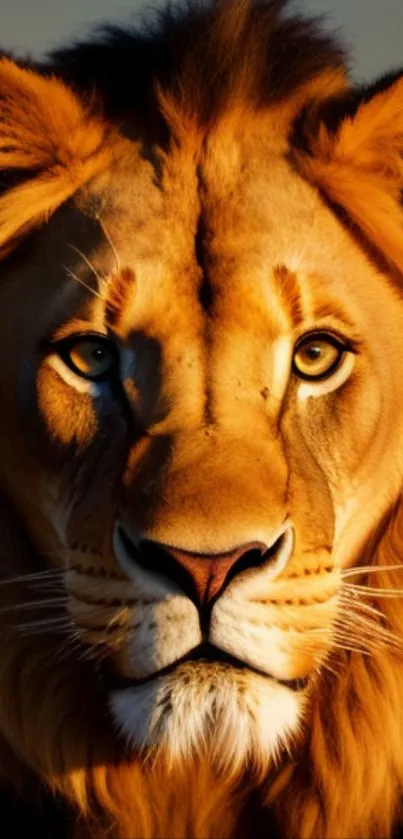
209 442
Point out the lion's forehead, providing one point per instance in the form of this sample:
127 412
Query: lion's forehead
226 222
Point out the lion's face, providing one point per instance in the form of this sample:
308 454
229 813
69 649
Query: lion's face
202 418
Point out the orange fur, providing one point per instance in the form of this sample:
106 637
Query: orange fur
48 133
360 167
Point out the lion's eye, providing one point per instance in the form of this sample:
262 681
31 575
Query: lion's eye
317 356
90 356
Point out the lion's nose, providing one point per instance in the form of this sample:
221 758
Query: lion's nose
204 576
209 573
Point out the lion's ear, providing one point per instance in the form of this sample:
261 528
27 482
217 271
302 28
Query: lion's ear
359 165
50 145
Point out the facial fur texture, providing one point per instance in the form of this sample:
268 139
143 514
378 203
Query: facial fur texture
201 542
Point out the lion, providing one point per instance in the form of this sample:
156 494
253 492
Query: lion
201 449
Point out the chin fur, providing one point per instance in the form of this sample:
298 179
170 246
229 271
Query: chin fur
236 718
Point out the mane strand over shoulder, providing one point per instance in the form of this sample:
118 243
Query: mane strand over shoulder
201 435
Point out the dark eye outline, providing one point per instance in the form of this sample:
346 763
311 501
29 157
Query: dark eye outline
338 343
64 346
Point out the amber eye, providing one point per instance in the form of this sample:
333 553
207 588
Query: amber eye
90 356
318 355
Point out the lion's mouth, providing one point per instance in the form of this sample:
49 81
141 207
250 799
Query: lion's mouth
204 652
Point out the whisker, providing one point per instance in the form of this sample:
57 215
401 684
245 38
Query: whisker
37 604
367 628
368 591
89 653
109 240
351 648
73 276
42 627
352 600
372 642
71 647
358 616
98 651
347 638
356 622
37 576
344 630
369 569
325 665
87 262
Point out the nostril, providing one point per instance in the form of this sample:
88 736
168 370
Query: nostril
274 557
156 559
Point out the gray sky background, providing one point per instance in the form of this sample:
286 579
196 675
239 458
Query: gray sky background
372 28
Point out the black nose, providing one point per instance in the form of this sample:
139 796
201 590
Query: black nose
202 576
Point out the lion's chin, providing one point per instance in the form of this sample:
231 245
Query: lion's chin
232 718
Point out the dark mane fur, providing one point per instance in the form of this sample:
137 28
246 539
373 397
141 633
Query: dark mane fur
201 53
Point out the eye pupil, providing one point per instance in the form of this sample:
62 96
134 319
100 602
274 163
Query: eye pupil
313 352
